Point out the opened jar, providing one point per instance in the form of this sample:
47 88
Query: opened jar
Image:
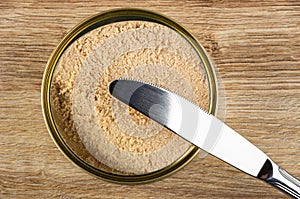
100 135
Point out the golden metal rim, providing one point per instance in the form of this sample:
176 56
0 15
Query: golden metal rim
100 20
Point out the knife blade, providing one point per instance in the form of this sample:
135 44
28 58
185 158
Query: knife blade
203 130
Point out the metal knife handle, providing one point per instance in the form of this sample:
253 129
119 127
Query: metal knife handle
279 178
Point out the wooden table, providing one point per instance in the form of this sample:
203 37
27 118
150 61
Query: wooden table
255 46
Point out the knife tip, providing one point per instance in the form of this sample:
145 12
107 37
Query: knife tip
112 86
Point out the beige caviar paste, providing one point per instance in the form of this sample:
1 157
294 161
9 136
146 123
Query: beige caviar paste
100 128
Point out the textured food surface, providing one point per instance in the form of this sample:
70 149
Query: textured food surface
99 128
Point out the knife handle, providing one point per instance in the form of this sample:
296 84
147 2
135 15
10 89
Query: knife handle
279 178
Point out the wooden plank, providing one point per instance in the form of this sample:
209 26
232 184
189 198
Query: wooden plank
255 46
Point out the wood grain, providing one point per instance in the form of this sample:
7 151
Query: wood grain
256 49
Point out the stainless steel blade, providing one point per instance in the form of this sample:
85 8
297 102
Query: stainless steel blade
202 129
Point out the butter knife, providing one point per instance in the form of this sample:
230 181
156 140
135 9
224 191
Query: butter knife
203 130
